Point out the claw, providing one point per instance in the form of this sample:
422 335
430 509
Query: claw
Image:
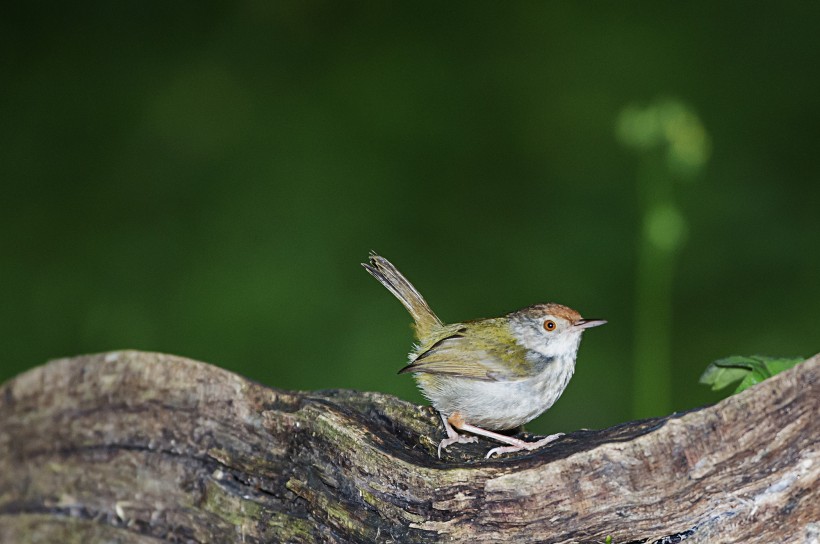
529 446
513 444
458 439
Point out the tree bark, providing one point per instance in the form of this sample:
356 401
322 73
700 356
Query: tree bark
142 447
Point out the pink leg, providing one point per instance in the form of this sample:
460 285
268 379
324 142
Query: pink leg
452 436
515 444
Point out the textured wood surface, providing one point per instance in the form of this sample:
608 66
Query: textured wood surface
143 447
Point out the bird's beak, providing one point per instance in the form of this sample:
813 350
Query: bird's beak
588 323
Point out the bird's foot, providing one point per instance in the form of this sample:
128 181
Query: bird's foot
457 439
456 421
522 445
453 437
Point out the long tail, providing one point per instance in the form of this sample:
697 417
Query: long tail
387 274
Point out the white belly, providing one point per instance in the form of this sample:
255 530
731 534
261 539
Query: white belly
497 405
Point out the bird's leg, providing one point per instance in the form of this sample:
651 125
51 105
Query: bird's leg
452 436
515 444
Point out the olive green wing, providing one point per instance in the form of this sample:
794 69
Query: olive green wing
472 351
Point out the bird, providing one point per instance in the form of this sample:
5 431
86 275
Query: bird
488 375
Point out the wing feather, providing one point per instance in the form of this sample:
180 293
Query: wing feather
466 355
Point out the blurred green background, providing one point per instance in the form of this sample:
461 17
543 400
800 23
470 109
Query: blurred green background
205 178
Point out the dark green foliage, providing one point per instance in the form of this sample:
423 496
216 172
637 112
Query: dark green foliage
748 370
205 178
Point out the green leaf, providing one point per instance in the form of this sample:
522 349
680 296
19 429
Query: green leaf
748 370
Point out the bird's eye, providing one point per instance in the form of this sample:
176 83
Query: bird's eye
549 325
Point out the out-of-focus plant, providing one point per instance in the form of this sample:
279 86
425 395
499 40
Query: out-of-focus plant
673 147
748 371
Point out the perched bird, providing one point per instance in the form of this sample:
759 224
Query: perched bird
488 374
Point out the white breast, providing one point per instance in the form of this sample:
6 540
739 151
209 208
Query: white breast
498 405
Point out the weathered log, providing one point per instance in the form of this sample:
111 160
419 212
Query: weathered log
143 447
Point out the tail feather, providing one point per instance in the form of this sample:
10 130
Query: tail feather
387 274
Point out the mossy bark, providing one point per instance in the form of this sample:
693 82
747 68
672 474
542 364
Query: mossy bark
143 447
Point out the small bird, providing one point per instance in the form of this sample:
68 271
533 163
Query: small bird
488 374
